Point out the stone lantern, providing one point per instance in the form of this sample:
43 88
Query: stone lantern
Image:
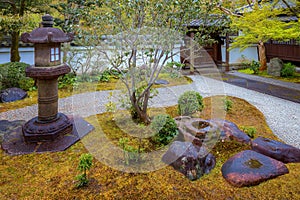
47 68
50 130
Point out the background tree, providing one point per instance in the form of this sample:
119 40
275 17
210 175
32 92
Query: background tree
144 36
17 16
261 25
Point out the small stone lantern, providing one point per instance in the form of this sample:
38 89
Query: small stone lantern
47 68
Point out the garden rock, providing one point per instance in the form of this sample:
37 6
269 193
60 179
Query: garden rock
277 150
249 168
192 161
12 94
230 131
196 130
275 67
6 126
161 82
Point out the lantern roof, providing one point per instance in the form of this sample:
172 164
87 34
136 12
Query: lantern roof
47 34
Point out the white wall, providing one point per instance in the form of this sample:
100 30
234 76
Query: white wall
26 53
237 57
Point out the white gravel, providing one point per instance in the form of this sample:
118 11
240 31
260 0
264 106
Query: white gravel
282 116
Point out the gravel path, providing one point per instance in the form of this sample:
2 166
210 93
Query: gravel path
282 116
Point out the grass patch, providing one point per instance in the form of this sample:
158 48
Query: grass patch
52 175
294 79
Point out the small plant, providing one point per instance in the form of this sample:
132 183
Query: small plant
254 66
67 80
85 164
288 70
165 129
130 153
110 106
104 76
227 103
249 130
189 103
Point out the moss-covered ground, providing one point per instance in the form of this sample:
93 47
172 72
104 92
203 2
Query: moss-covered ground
52 175
293 79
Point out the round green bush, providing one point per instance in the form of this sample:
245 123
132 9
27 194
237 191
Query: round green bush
189 103
288 70
165 129
12 74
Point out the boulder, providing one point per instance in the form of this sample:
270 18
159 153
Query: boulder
277 150
275 67
192 161
249 168
197 130
12 94
230 131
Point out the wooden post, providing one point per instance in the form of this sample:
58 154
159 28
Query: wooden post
227 53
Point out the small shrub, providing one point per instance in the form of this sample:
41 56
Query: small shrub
249 130
104 76
227 103
67 80
288 70
165 129
189 103
85 164
130 153
12 74
254 66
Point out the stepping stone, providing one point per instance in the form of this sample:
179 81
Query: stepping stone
192 161
230 131
12 94
277 150
6 126
249 168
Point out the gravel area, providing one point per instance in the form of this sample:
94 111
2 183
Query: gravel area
282 116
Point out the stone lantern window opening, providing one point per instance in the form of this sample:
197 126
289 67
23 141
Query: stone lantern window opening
54 54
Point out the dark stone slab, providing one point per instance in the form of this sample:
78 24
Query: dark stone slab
230 131
249 168
277 150
12 94
6 126
161 82
192 161
14 143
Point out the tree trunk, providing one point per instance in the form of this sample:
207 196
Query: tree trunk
262 56
14 50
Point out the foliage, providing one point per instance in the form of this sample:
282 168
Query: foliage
18 16
190 102
227 103
104 76
165 129
131 154
254 66
288 70
12 74
249 130
67 80
85 164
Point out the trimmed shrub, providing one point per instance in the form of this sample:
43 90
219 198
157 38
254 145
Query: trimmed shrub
254 66
165 129
288 70
189 103
12 74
